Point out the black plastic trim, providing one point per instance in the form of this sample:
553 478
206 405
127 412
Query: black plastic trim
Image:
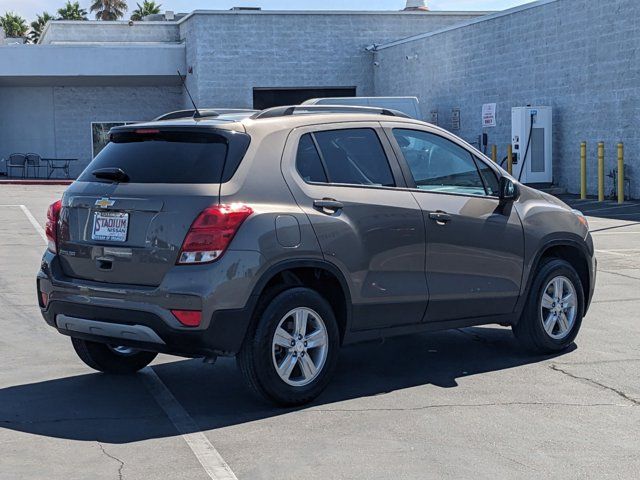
557 242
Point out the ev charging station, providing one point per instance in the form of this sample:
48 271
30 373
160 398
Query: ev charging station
531 140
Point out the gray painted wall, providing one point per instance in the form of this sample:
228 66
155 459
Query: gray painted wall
232 52
56 121
26 121
579 56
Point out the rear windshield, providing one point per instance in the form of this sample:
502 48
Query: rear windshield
150 156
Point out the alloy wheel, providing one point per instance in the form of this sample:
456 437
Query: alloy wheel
558 307
122 350
300 346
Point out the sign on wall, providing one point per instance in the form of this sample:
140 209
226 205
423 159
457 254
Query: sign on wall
433 119
100 134
489 115
455 119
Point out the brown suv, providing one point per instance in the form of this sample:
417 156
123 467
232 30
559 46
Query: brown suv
281 235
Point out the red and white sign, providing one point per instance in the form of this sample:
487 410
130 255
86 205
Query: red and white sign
489 115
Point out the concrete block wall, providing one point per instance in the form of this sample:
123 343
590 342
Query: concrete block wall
76 107
56 121
26 122
578 56
233 52
65 31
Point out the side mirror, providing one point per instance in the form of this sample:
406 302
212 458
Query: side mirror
508 190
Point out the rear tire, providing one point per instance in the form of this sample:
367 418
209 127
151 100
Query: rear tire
294 366
101 357
553 314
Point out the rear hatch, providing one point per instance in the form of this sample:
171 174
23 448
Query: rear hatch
125 218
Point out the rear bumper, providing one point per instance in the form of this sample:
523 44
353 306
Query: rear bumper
146 331
140 317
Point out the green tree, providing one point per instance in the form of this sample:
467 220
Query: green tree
38 25
148 7
72 11
109 9
13 25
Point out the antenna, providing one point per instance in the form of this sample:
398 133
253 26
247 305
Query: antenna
196 113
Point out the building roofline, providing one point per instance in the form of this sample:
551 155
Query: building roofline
430 13
110 22
485 18
46 28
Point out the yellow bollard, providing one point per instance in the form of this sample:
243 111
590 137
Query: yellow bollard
583 171
620 173
510 159
494 153
601 171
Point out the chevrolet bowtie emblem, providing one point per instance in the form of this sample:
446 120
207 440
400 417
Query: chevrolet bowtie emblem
104 203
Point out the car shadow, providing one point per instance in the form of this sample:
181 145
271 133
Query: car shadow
119 409
629 211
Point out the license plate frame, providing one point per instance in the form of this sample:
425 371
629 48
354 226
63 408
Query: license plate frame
115 232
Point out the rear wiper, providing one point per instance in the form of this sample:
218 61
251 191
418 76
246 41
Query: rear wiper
114 174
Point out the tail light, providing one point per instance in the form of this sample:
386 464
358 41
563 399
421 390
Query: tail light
211 233
51 227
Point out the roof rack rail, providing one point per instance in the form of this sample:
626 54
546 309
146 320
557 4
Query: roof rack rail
204 113
309 109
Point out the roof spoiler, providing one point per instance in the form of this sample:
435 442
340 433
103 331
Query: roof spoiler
204 113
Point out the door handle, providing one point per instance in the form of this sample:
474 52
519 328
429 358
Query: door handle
440 217
328 205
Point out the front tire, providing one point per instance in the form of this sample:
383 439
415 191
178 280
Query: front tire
291 353
553 314
109 359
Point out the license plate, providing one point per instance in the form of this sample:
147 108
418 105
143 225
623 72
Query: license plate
110 226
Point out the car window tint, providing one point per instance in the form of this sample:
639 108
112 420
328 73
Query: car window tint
354 156
308 161
438 164
490 179
170 156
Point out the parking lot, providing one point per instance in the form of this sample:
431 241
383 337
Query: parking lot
458 404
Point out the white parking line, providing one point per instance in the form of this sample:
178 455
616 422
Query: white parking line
611 252
205 452
616 233
34 222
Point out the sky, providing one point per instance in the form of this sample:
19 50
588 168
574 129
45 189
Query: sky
29 8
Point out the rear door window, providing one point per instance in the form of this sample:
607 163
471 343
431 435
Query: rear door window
170 156
347 156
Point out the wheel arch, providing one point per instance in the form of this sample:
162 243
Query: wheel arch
573 251
316 274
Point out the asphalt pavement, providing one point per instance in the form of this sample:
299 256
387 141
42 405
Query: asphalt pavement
464 403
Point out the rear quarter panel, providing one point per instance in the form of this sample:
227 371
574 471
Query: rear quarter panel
278 229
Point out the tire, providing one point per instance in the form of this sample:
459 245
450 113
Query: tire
103 358
262 350
530 330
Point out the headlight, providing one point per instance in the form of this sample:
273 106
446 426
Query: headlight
581 218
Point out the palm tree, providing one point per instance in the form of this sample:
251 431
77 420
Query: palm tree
14 25
38 25
109 9
149 7
72 11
